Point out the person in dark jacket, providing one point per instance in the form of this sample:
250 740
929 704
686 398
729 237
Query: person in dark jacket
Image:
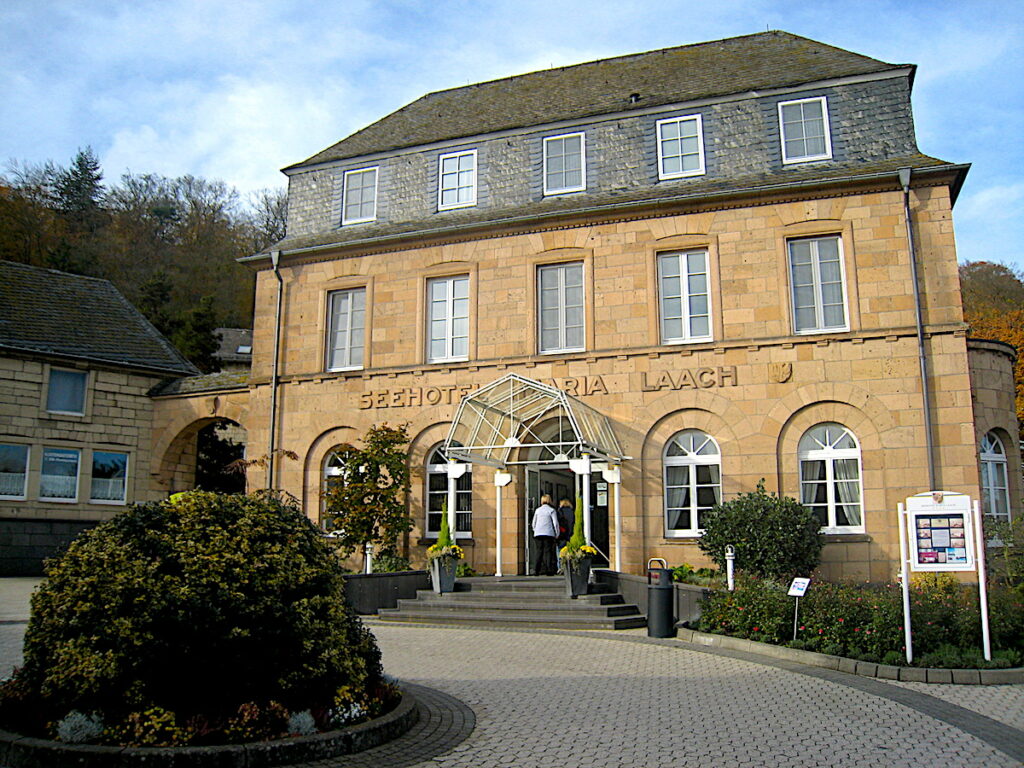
566 520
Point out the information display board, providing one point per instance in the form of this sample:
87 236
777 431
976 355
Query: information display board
940 532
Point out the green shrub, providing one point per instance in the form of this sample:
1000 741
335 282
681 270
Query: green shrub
866 622
190 608
704 577
774 537
759 609
389 561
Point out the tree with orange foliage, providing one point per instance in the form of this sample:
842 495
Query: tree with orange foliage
993 296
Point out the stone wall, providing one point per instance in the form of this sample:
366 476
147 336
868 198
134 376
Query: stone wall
117 417
756 388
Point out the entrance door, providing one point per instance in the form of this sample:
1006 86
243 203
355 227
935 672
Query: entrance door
530 502
559 482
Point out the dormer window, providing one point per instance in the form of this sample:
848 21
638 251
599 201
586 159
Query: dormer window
803 126
456 180
359 198
680 147
564 164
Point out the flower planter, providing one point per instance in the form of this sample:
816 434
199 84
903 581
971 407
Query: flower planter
577 576
442 574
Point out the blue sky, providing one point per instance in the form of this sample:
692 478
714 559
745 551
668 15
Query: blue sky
236 90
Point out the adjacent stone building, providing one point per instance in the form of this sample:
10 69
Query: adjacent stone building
77 362
653 280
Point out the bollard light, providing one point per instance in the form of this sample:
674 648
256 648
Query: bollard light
730 559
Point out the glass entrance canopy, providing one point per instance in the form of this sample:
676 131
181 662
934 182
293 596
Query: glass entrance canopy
496 420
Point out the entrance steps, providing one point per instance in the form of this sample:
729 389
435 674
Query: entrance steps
536 602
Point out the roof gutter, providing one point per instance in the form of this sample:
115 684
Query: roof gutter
922 353
120 365
960 170
275 258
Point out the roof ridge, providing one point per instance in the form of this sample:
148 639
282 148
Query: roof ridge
627 56
663 76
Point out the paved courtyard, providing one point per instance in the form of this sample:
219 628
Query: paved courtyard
619 699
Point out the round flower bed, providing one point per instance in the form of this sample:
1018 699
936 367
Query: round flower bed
203 620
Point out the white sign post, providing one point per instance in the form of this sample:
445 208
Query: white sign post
797 590
941 531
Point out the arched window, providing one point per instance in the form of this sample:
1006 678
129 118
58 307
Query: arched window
693 481
331 475
830 477
437 493
995 492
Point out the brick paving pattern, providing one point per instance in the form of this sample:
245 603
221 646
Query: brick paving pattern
506 698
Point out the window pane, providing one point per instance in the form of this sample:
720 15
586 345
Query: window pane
678 519
13 470
673 329
66 392
347 320
109 471
59 475
700 327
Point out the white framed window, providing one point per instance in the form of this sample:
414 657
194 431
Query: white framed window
560 303
995 489
684 296
680 147
803 126
448 323
456 180
817 277
109 477
58 479
565 164
830 484
693 481
332 474
66 391
359 197
346 329
13 471
437 494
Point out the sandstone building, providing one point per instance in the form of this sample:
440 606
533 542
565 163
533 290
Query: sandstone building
77 363
655 279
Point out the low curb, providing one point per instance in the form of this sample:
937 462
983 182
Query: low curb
17 751
863 668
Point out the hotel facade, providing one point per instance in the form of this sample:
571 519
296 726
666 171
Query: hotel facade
653 281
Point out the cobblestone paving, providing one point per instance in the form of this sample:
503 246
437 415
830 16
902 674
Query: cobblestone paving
613 699
1004 703
555 700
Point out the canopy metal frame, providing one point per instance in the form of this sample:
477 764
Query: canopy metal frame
510 413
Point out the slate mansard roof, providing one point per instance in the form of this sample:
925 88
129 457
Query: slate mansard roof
736 81
671 75
46 312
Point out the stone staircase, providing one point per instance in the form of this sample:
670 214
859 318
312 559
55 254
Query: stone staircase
517 601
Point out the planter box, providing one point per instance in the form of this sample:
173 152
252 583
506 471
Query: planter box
442 574
367 593
577 577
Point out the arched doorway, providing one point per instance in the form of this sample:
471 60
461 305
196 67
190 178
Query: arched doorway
219 446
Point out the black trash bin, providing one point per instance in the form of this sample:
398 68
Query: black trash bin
661 620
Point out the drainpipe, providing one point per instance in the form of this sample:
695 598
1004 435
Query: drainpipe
904 176
275 258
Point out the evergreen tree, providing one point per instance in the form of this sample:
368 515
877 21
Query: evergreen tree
154 302
195 337
79 193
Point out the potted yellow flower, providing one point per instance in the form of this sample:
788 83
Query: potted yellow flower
444 556
576 557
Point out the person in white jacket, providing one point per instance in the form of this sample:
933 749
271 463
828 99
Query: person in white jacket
545 530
